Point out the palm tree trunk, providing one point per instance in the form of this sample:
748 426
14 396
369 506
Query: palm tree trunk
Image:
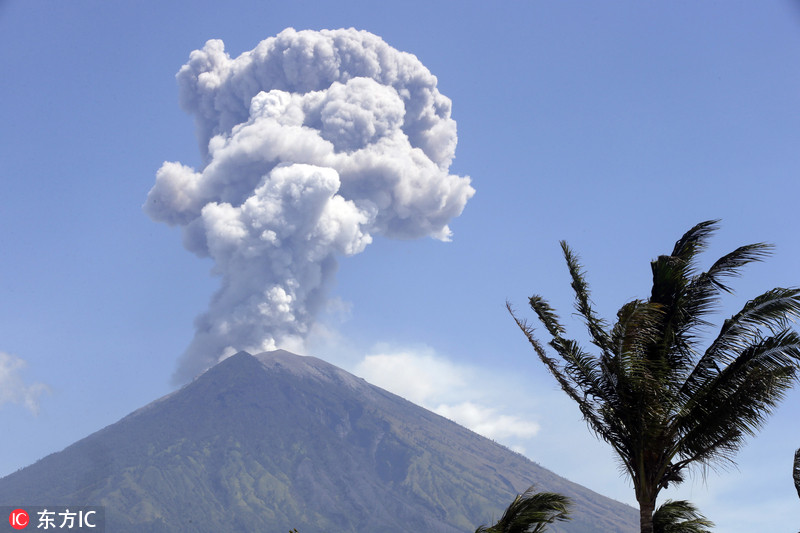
646 510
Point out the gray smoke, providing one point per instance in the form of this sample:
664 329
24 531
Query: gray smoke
312 143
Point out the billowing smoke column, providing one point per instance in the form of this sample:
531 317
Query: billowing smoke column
313 142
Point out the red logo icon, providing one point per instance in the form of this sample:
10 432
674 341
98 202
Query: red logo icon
18 519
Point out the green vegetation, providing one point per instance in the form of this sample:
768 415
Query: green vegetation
796 471
652 393
530 512
679 517
288 442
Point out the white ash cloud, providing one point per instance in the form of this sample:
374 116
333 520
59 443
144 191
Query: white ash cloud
313 142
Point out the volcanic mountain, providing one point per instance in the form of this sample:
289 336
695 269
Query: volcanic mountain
278 441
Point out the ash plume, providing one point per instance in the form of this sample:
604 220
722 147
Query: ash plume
313 142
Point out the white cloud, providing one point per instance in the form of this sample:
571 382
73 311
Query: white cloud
488 422
13 389
458 392
417 375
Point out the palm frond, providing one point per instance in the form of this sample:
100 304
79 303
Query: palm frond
547 316
737 401
558 372
596 326
702 293
686 297
796 471
530 512
582 369
551 364
728 266
669 292
694 241
769 312
680 517
636 328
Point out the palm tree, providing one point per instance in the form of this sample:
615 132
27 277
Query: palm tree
530 512
660 401
680 517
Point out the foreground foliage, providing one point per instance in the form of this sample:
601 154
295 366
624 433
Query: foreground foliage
651 392
530 512
680 517
796 471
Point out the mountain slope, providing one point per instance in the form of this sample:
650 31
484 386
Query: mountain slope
276 441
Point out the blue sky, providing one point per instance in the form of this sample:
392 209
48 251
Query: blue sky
615 127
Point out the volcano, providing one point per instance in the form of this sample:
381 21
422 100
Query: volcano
276 441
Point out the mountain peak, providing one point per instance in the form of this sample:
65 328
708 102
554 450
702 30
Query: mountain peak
305 366
273 441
